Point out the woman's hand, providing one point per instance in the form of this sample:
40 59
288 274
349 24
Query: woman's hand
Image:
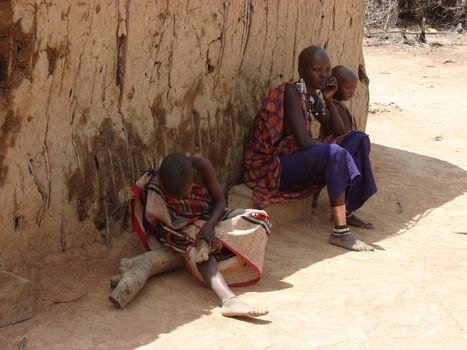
330 89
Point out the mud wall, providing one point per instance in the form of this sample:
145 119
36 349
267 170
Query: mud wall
91 92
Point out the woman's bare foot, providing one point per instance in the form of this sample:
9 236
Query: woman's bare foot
354 220
349 242
235 308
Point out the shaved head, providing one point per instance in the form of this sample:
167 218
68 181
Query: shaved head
314 67
347 82
176 174
309 55
343 73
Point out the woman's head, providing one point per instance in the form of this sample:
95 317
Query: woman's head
176 175
314 66
346 83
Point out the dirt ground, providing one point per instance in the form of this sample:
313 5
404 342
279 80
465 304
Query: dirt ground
409 294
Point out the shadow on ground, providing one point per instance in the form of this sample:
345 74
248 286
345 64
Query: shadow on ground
410 187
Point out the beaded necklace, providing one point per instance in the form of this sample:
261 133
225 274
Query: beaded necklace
315 103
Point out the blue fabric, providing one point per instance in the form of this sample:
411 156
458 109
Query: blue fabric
357 143
346 168
330 160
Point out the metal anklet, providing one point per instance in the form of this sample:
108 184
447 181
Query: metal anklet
341 231
226 300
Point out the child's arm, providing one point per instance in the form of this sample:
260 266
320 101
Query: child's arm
206 169
347 118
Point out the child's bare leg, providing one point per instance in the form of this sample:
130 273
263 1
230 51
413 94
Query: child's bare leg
231 305
341 235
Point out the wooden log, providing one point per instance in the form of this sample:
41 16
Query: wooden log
137 270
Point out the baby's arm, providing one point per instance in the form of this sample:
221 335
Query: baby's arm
345 116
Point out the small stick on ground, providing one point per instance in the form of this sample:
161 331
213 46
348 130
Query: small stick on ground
401 209
57 301
22 343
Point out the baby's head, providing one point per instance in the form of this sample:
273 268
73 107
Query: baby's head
176 175
346 81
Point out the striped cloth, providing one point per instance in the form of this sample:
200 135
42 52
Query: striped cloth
243 232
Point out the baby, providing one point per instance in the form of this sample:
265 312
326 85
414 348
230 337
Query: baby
346 84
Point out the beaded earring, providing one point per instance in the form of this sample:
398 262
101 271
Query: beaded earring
301 85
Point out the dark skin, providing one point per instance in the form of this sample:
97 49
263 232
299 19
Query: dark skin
204 174
317 75
347 83
347 86
315 70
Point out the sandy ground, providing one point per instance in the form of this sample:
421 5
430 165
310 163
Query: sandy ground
411 294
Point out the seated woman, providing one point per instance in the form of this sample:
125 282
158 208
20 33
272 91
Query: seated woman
180 206
282 161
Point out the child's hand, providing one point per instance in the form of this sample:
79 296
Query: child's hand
202 252
330 89
207 233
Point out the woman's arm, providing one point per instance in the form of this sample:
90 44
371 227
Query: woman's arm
336 125
293 118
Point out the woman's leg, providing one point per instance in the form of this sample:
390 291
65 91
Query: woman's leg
341 235
340 165
231 305
340 172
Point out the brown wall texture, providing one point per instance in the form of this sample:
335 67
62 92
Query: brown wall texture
93 91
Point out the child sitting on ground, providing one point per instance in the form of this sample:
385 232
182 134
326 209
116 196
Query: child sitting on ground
181 206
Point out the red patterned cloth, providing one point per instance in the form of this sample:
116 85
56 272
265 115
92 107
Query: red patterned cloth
261 165
196 206
243 232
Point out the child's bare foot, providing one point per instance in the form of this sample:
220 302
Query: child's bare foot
349 242
354 220
235 308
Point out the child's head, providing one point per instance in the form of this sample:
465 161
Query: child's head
346 82
176 175
314 66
